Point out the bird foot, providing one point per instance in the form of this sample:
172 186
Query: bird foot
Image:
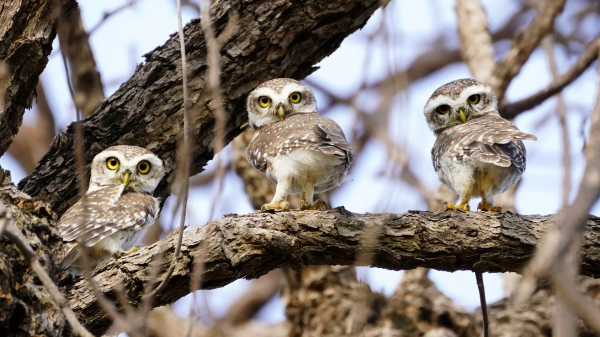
319 205
279 205
464 207
131 251
485 206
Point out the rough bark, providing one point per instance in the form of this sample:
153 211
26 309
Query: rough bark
251 245
26 307
27 29
275 39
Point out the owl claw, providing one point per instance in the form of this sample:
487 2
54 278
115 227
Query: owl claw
280 205
485 206
131 251
452 207
319 205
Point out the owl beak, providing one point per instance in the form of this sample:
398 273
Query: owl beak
281 112
126 178
461 115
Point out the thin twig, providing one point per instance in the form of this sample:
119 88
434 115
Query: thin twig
107 15
15 235
484 312
561 113
183 158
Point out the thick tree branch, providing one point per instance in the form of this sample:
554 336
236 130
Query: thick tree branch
146 110
27 29
251 245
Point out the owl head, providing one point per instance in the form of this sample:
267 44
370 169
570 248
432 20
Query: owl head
135 167
276 99
458 102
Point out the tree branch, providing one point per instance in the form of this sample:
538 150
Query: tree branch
523 45
25 44
251 245
146 110
586 59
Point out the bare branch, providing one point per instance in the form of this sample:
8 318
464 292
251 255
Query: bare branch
523 45
476 41
24 45
251 245
572 222
586 59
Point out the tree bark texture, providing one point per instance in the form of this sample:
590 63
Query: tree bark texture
274 39
27 29
251 245
26 307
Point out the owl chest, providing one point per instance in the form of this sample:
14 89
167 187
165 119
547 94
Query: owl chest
301 165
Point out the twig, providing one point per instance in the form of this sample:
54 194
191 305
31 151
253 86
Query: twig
213 47
585 60
484 312
523 45
15 235
570 223
107 15
184 156
561 112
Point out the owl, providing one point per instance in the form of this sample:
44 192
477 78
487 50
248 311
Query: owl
477 153
117 206
293 145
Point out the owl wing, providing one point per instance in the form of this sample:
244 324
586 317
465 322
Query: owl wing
297 132
489 139
332 140
108 211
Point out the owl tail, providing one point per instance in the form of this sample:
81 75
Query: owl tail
69 262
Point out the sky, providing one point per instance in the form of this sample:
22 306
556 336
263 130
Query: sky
411 26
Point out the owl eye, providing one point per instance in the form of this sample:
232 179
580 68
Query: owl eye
295 97
264 101
144 166
443 109
112 163
473 99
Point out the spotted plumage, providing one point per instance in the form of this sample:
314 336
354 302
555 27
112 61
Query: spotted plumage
296 148
116 207
477 153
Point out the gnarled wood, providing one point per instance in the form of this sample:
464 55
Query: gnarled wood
27 29
251 245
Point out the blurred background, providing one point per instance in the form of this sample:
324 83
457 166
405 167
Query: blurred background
409 48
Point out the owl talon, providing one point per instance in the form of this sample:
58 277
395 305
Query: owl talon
485 206
129 252
319 205
462 207
280 205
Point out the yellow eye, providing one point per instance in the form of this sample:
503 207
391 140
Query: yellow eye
144 166
264 101
295 97
473 99
112 163
442 109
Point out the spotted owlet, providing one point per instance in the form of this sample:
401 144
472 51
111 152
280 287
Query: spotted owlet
118 205
477 153
293 145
